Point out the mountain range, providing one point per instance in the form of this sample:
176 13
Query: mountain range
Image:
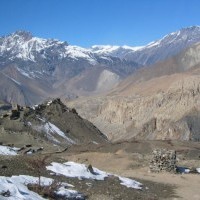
33 69
157 102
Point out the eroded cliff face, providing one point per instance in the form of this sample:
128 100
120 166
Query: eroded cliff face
160 102
191 57
173 114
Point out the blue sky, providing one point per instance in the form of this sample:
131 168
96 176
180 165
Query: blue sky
89 22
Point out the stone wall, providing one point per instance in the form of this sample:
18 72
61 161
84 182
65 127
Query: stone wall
163 160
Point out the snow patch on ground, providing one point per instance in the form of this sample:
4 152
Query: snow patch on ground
17 186
51 130
198 170
24 73
94 142
81 171
130 183
70 194
42 129
183 170
72 169
6 150
29 74
49 103
15 81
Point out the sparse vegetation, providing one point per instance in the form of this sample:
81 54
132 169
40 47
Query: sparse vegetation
47 191
38 165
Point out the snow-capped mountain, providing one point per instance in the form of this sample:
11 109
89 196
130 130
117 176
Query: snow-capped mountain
49 67
166 47
32 68
155 51
116 51
24 46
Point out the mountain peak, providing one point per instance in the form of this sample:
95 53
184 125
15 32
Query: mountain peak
191 30
187 31
26 35
191 27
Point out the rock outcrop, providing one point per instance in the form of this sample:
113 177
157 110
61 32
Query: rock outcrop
161 107
48 123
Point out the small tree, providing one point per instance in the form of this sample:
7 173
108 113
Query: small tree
37 165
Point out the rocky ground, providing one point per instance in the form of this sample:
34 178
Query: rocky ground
47 124
129 159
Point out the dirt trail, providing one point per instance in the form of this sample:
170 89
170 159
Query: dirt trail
186 185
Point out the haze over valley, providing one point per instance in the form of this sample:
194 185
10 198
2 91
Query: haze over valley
99 100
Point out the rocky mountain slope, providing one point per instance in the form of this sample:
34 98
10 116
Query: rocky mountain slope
160 102
47 124
115 51
159 50
33 69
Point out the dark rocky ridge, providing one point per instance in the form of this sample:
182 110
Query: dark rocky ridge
47 124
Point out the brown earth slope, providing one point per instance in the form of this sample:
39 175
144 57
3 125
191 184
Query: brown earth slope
50 125
159 102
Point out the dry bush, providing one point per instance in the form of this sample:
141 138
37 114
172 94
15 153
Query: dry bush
46 191
37 165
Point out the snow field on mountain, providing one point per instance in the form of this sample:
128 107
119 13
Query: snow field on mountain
51 130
